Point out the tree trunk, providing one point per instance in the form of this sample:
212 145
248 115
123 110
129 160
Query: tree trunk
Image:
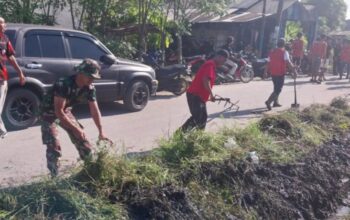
72 12
82 16
179 52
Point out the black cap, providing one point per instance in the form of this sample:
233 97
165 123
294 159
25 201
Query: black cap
223 53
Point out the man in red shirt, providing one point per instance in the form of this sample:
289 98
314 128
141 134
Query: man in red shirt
278 62
200 92
6 53
344 58
298 49
318 54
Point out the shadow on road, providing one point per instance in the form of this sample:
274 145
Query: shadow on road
338 83
82 111
339 87
298 83
164 96
107 109
247 113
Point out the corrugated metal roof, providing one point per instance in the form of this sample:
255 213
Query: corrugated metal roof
271 6
309 7
252 11
340 33
245 4
240 17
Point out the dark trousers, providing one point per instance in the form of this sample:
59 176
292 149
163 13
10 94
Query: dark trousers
198 111
335 65
343 67
278 82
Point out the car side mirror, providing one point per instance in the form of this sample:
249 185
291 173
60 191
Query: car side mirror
108 59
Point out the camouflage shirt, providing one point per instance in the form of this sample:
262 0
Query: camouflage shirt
67 88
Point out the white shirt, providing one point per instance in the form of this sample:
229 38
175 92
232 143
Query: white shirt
286 56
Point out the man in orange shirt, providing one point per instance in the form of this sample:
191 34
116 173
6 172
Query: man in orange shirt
344 58
298 50
278 62
318 53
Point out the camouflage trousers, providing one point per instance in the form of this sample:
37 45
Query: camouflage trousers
49 131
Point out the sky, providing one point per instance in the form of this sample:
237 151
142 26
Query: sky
348 12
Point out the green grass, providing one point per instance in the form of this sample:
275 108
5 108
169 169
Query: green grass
191 161
56 200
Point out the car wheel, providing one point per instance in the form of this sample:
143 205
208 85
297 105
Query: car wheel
137 96
20 109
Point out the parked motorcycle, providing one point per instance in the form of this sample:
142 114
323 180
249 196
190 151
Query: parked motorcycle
174 78
236 67
258 64
259 67
195 62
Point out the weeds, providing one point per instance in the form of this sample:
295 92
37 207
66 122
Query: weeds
198 175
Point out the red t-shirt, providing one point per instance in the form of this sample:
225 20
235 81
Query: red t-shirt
6 50
277 64
345 53
197 86
319 49
297 48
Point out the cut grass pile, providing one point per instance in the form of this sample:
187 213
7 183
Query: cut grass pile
197 175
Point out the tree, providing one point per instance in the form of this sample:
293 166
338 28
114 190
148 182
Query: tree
332 11
31 11
183 8
145 8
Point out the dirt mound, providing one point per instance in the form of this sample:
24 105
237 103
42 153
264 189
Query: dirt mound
168 202
277 125
309 189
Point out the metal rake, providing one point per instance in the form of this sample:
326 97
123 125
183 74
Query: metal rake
228 104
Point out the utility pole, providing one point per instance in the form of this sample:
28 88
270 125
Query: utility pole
262 30
279 18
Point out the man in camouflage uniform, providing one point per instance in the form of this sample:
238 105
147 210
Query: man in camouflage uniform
56 111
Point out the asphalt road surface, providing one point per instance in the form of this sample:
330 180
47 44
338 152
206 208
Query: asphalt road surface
22 156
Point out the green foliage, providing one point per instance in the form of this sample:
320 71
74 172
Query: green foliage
117 172
99 17
31 11
340 103
329 118
212 168
196 146
56 200
332 13
120 48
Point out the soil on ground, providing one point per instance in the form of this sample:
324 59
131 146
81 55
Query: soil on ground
311 188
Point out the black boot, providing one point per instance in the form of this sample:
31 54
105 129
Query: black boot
269 101
276 102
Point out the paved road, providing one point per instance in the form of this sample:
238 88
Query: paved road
22 156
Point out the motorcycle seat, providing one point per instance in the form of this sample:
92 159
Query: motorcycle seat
188 59
171 70
261 60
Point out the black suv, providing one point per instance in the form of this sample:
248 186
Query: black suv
48 53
